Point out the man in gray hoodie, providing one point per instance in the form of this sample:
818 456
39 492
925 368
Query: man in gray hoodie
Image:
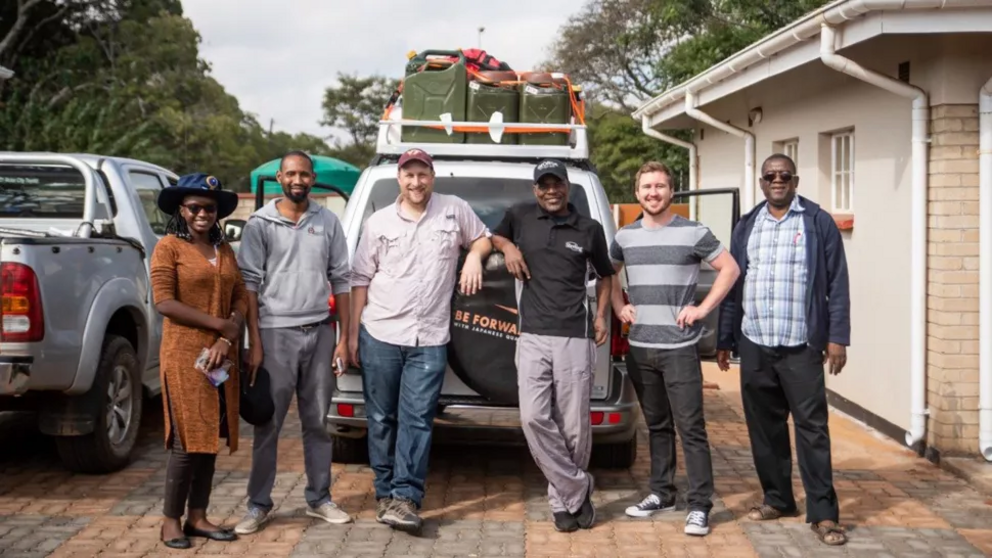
293 256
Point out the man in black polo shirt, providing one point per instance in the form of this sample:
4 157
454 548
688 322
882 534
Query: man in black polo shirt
549 247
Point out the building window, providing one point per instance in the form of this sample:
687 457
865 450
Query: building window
791 150
842 172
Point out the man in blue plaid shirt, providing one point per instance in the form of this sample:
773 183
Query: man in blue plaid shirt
788 313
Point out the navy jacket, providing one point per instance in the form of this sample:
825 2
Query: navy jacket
828 296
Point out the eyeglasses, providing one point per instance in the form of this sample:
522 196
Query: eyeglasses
769 176
196 208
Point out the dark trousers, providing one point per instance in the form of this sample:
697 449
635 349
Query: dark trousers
774 383
188 480
669 386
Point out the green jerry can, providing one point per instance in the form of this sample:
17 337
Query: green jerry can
485 99
544 101
430 93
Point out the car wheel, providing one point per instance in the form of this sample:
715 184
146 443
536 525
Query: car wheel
117 385
618 455
350 450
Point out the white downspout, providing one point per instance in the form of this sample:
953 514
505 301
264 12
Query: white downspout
985 271
918 220
693 180
693 112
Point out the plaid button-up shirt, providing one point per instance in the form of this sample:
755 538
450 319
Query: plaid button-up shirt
775 286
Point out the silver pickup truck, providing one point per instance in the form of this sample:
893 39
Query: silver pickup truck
80 336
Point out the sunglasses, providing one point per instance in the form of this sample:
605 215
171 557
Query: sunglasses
786 176
196 208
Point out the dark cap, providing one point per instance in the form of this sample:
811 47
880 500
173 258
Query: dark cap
416 155
550 166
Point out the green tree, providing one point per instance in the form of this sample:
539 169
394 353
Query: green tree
625 52
356 105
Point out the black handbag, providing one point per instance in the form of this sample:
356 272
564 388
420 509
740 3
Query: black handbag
256 406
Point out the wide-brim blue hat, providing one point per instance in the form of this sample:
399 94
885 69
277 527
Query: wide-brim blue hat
198 184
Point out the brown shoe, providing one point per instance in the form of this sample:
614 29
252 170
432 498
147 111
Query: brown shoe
829 533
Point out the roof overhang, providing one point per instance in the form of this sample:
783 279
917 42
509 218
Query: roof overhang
791 46
5 73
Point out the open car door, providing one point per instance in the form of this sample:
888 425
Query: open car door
718 209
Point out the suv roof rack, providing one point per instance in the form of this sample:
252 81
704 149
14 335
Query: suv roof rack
577 150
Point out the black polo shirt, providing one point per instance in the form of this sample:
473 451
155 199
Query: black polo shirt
558 251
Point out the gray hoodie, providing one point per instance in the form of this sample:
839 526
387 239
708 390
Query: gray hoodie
290 264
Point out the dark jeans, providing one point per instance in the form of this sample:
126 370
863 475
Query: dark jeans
775 382
669 385
188 479
402 386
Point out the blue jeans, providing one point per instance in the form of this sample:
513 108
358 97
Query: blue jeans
401 385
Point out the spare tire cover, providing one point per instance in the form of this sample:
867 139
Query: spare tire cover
484 330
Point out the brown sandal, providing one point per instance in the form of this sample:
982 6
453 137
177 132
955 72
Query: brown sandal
764 512
829 533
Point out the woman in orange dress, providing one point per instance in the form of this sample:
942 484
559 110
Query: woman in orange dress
198 288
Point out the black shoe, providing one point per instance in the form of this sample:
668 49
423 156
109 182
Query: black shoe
221 535
649 506
178 544
402 515
586 515
565 522
697 523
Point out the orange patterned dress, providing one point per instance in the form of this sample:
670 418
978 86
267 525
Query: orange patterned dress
179 271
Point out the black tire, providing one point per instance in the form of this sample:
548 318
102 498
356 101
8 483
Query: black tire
106 450
618 455
350 450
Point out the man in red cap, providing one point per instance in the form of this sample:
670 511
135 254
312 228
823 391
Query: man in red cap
402 279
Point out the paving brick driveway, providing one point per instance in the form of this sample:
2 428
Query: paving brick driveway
491 502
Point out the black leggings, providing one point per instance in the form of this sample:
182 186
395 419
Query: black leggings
188 478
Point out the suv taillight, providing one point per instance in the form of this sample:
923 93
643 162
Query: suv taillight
618 335
23 321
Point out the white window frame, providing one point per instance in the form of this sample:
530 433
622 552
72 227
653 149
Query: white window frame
791 150
842 172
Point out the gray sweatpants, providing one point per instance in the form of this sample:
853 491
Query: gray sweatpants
554 378
298 361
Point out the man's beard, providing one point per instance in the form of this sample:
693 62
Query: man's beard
296 198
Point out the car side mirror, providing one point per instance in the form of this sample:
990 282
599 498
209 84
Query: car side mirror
233 229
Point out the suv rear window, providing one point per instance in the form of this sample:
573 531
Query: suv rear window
488 197
41 191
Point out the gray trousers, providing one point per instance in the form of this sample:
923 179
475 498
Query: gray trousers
554 378
298 361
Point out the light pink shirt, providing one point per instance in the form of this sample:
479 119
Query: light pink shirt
409 268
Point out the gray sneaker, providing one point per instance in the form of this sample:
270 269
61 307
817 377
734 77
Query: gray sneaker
330 512
402 515
252 521
381 507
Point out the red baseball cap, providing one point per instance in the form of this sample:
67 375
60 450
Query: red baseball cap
416 155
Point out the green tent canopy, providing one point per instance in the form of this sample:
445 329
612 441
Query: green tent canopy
334 172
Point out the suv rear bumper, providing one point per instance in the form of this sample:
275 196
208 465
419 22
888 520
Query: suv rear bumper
615 418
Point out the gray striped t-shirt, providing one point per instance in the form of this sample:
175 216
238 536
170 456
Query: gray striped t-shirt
662 270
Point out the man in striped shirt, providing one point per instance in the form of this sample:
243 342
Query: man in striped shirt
662 253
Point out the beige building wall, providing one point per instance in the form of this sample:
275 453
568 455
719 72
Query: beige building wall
807 105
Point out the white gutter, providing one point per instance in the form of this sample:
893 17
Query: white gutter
693 180
918 223
985 271
836 13
691 110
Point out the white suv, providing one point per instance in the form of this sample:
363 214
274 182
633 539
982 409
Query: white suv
481 377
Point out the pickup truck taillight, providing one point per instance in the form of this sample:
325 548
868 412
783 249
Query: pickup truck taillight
618 335
331 304
23 321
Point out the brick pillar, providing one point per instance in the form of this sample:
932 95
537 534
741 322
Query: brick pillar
952 269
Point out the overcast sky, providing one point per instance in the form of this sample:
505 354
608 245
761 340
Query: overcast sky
278 56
